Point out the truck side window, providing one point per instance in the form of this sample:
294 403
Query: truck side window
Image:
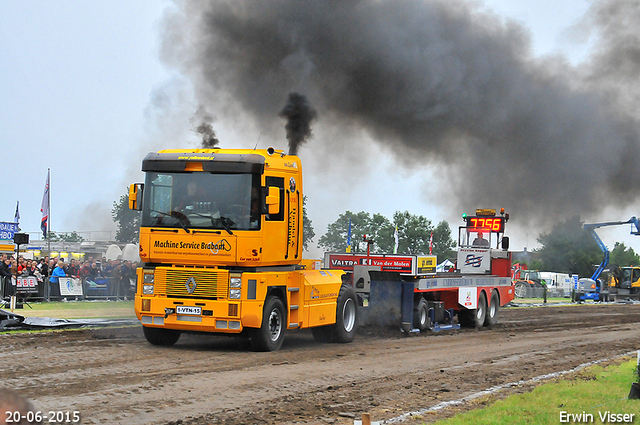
279 183
636 275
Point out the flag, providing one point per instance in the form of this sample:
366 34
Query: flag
395 238
349 237
16 218
45 207
431 244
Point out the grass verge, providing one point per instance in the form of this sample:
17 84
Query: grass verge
79 310
593 393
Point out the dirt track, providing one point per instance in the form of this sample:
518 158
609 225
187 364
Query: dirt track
114 376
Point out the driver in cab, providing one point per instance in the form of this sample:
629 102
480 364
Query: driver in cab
193 200
480 241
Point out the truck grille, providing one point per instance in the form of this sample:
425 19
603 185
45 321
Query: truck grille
176 282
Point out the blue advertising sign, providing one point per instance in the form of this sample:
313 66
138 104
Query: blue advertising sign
7 230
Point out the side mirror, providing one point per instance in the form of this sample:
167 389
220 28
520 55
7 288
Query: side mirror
135 196
505 242
273 200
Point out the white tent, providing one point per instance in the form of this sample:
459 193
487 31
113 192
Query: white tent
444 266
113 252
130 252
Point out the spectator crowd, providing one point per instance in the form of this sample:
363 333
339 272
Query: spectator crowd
48 271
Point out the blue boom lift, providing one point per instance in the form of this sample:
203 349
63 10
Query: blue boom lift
593 288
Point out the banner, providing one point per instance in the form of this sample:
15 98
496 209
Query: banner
26 285
16 217
45 207
70 286
396 240
8 230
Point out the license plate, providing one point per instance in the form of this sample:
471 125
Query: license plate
181 309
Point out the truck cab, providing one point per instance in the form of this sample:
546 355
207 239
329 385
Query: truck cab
482 246
221 244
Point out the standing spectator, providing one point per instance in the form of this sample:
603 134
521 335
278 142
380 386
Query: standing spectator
94 271
54 280
73 268
44 266
83 273
125 279
5 277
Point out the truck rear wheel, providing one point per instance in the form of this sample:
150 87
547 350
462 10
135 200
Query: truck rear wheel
159 336
474 318
270 335
344 330
421 318
492 311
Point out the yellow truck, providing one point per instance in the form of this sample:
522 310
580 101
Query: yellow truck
221 247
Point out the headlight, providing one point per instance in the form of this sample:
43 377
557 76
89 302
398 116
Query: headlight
235 282
147 289
235 294
148 278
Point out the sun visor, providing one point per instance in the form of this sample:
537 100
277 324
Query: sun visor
211 162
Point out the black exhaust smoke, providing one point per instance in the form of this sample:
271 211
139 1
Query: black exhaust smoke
205 128
440 83
299 115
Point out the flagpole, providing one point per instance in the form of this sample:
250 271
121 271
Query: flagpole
49 218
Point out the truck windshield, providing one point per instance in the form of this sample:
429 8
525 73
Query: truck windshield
202 200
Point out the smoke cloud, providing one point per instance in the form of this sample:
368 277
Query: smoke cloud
436 82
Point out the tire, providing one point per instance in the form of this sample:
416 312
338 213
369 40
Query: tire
270 335
521 290
474 318
492 311
344 330
421 319
161 337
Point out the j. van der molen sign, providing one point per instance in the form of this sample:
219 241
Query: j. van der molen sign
8 230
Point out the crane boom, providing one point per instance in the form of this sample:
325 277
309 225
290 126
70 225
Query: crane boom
591 229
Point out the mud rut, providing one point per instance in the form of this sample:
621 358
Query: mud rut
113 376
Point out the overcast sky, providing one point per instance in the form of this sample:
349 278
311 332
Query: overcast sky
81 85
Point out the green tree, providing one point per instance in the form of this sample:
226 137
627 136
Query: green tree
569 248
443 244
127 221
414 233
622 256
307 227
381 230
335 239
64 237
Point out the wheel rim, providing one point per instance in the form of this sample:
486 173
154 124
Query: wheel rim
349 315
423 316
492 310
275 324
480 311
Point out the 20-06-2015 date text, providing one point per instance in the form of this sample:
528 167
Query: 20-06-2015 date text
48 417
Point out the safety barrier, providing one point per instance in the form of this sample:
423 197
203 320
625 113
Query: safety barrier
70 288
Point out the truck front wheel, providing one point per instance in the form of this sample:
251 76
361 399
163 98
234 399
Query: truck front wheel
159 336
270 335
